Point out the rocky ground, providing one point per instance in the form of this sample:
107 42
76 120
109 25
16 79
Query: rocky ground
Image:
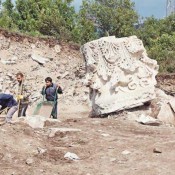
104 146
166 82
38 59
116 144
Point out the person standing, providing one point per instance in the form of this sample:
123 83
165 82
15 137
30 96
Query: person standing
8 102
51 91
23 92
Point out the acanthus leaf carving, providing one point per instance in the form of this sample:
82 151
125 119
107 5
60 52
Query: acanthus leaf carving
119 73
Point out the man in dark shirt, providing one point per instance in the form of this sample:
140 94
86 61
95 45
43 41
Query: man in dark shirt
7 101
51 91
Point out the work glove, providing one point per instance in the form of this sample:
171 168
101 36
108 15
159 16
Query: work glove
20 97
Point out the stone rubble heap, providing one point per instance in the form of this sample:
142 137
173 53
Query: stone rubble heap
37 60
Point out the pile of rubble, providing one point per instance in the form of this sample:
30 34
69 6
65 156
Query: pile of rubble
38 59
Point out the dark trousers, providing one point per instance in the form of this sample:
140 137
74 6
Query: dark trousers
22 109
54 110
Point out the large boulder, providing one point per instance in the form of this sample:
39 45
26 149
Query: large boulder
119 74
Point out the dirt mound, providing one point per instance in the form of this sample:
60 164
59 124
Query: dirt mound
166 82
21 38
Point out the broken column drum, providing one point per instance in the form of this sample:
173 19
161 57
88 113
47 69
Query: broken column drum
119 74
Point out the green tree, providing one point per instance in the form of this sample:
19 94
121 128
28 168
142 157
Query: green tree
149 30
158 36
8 6
168 25
27 14
57 19
113 17
48 17
6 15
84 29
162 50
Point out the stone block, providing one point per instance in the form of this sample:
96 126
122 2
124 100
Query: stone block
119 74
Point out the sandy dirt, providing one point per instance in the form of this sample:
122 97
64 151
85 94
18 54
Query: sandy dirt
166 82
104 146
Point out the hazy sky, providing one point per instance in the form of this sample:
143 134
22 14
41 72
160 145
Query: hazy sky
145 8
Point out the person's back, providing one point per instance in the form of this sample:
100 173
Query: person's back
7 101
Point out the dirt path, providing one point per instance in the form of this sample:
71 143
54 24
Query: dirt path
105 147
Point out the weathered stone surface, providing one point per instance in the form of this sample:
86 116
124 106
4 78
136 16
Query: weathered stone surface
147 120
41 150
8 62
157 150
119 74
36 121
172 104
71 156
166 115
29 161
39 58
126 152
57 48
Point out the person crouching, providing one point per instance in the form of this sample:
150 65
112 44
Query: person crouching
8 102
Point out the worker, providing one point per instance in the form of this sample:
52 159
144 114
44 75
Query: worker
22 92
7 102
51 91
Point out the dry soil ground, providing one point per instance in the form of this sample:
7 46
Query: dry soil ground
105 146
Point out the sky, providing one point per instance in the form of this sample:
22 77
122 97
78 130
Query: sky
144 8
147 8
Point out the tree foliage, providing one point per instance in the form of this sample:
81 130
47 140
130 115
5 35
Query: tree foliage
46 17
85 29
98 18
113 17
6 15
158 36
58 18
